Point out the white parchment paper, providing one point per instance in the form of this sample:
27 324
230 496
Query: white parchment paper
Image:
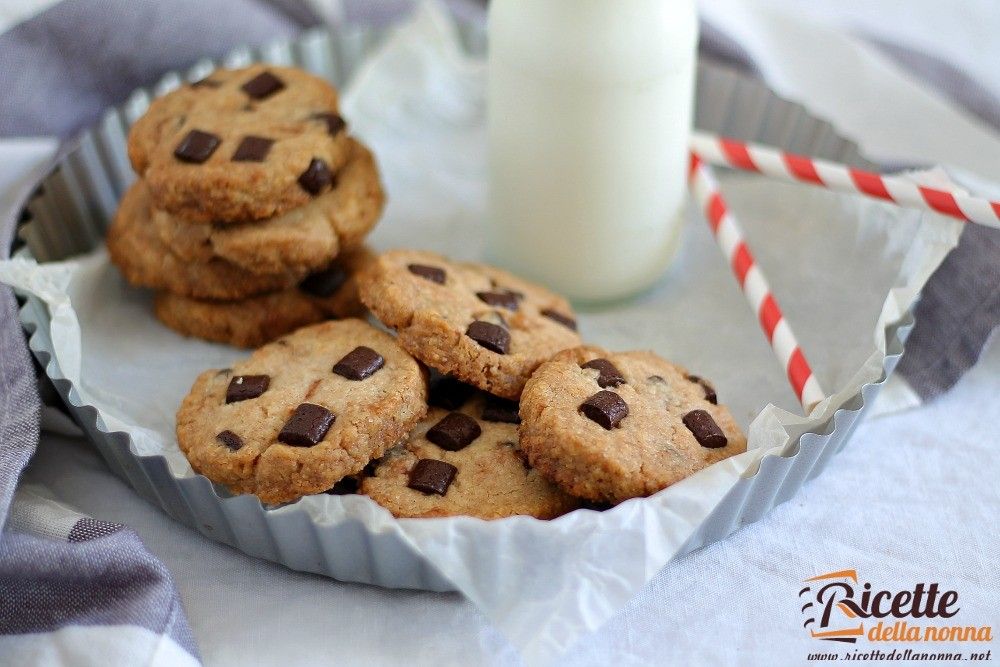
842 269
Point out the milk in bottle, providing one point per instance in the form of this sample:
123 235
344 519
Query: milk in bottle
589 115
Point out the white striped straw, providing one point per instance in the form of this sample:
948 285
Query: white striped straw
732 242
790 167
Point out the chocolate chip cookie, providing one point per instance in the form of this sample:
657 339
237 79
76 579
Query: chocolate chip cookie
302 239
241 145
464 461
328 294
478 323
609 426
145 261
303 412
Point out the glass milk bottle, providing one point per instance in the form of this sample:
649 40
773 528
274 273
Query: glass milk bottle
589 115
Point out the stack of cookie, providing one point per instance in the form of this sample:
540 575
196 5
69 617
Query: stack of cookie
528 420
519 418
251 208
485 331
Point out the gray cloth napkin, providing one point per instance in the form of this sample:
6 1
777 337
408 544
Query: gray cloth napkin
61 68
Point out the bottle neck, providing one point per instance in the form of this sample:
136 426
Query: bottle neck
594 39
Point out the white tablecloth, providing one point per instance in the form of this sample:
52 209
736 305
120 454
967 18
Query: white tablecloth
913 497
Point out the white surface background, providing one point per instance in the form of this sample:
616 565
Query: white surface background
913 497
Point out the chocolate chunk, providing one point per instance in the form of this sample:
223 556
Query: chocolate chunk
316 177
491 336
606 408
432 476
449 393
307 426
334 123
360 363
253 149
454 432
431 273
263 85
564 320
345 487
710 394
230 440
658 379
245 387
608 375
196 147
324 284
499 299
500 410
596 505
704 429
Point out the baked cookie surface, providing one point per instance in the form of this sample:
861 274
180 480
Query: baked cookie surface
609 426
145 261
303 412
329 294
240 145
302 239
473 321
464 462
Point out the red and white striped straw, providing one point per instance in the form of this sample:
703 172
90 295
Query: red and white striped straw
787 166
732 242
